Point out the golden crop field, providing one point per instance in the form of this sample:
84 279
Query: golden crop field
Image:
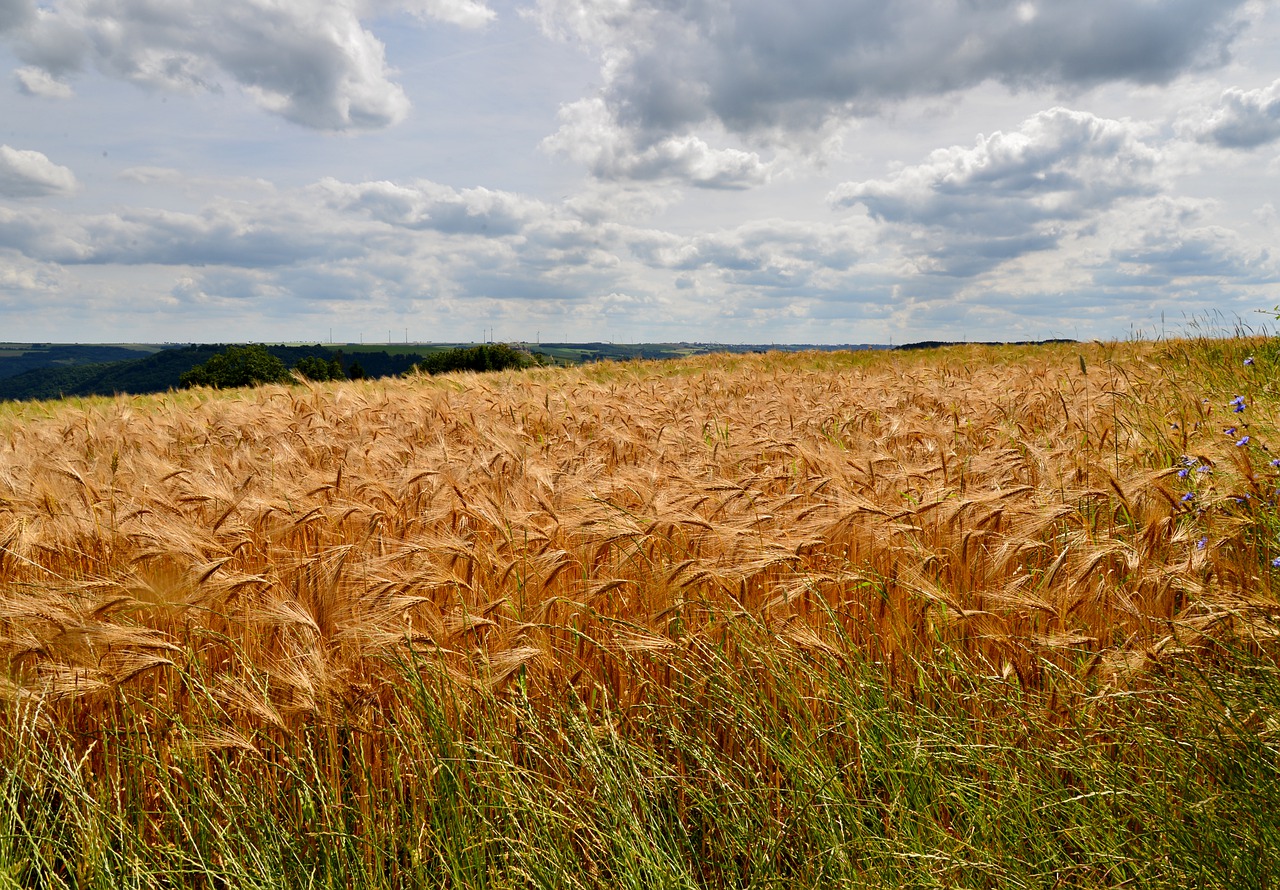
966 617
1019 506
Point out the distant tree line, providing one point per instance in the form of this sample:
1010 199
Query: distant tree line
238 366
312 367
49 356
485 357
937 344
254 365
147 372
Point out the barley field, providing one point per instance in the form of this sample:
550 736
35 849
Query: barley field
974 616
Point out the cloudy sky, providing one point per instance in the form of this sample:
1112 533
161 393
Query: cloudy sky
821 171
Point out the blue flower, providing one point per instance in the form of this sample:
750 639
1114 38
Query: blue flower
1276 462
1183 473
1229 431
1204 468
1243 442
1276 562
1189 496
1200 544
1248 363
1238 404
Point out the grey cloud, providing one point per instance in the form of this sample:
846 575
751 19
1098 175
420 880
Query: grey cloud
774 257
222 285
1011 193
399 238
589 135
53 42
214 237
552 243
343 281
1058 165
313 64
1198 253
965 258
278 292
510 284
755 65
15 14
1169 241
330 74
1244 119
334 241
869 301
1197 256
29 174
33 81
428 205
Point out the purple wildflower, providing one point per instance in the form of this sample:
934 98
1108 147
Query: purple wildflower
1243 442
1230 431
1200 544
1276 562
1248 363
1183 473
1189 496
1238 404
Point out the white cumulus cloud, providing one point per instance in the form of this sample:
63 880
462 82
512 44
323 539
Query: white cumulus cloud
591 137
38 82
1244 119
429 205
464 13
1010 193
29 174
315 64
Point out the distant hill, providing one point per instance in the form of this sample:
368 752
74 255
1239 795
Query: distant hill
157 372
51 371
18 358
935 344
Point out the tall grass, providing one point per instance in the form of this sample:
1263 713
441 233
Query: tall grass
863 620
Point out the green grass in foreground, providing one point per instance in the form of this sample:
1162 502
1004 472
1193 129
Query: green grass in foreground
787 769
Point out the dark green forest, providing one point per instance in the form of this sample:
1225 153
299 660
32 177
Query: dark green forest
163 370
